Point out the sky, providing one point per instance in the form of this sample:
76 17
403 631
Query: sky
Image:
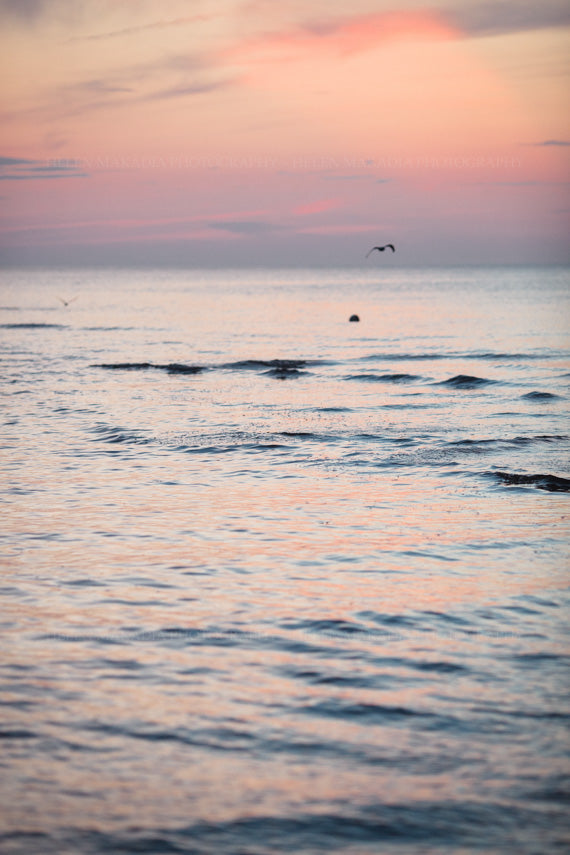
290 133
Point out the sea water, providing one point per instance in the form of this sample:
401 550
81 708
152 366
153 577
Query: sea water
278 582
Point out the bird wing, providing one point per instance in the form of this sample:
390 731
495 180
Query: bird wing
392 247
371 250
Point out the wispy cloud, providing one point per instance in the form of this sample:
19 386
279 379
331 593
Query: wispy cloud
99 87
352 177
15 161
339 229
23 169
547 143
186 90
183 76
142 28
505 16
515 183
243 227
527 183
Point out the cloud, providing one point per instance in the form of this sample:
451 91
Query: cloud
23 10
145 225
356 177
141 28
19 177
316 207
15 161
348 34
242 227
546 143
186 90
505 16
33 14
100 87
338 229
341 36
23 169
515 183
527 183
188 76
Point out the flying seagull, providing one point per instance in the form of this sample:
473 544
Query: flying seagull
67 302
382 248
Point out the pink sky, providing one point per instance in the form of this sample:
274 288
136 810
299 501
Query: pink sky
253 132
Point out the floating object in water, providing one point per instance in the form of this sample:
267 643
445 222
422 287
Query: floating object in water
354 318
382 248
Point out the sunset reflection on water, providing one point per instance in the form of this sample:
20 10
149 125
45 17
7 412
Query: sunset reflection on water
314 591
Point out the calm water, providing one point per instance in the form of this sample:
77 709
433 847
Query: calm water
277 582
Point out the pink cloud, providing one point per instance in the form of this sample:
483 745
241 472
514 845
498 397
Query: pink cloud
340 229
345 36
113 230
316 207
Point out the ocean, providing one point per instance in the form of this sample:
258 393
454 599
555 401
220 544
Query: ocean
274 581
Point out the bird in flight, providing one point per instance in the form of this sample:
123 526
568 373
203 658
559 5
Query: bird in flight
382 248
67 302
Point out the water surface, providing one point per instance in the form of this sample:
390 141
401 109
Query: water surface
277 582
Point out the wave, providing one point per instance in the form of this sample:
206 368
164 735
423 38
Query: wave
109 433
32 326
461 824
465 381
266 363
283 372
491 355
17 733
540 396
279 368
405 357
367 713
125 366
383 378
170 368
478 446
276 367
486 355
326 626
301 434
108 329
180 368
550 483
221 443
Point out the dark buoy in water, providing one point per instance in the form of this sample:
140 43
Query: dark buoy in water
354 319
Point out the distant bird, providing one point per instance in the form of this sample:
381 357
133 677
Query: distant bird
382 248
354 319
67 302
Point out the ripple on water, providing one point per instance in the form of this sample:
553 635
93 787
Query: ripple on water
434 826
550 483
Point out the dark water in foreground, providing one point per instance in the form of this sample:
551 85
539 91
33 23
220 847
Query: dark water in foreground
276 582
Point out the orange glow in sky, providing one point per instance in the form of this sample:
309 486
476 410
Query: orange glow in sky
444 129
